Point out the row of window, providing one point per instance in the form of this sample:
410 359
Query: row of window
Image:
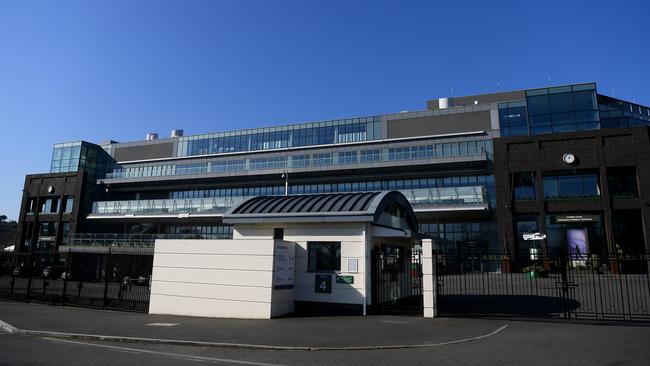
201 231
575 184
332 132
389 184
438 150
50 205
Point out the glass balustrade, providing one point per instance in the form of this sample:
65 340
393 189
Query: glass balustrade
419 198
448 196
412 152
169 206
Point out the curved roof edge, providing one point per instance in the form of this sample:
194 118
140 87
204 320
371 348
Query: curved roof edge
373 206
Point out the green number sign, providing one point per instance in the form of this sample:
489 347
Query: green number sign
323 284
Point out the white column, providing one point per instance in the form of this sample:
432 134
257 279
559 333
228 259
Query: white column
429 288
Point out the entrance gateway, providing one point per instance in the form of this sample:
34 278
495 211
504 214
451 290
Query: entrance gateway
321 253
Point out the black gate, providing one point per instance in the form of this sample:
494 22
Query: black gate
396 280
570 287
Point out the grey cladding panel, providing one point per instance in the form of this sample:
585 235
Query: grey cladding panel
436 125
150 151
482 99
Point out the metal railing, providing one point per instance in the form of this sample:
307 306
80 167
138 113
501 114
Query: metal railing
565 286
132 240
27 279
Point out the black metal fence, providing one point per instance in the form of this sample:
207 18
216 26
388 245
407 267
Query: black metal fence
23 277
583 286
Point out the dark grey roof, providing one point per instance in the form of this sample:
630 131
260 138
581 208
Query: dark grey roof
357 206
338 202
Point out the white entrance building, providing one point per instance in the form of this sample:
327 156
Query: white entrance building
342 252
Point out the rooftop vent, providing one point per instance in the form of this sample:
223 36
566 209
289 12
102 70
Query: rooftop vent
151 136
177 133
445 103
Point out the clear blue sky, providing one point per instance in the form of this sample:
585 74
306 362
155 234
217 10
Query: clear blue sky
98 70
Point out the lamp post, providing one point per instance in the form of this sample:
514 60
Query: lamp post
285 175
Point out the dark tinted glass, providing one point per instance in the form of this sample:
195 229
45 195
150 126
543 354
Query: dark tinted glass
324 256
563 118
584 100
562 102
587 116
538 104
524 186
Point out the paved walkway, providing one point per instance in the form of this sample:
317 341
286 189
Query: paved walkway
318 332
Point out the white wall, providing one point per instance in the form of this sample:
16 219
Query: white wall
353 246
216 278
234 278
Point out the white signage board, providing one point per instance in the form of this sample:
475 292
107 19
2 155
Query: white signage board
353 265
534 236
283 265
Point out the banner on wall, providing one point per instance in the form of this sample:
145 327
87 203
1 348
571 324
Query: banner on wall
577 242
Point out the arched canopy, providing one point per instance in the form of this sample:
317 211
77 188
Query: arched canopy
386 208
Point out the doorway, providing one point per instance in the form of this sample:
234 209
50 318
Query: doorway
396 279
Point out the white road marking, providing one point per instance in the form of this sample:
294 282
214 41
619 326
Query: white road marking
394 322
166 354
162 324
8 328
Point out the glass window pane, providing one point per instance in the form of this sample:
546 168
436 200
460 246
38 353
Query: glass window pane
561 102
584 100
538 104
587 116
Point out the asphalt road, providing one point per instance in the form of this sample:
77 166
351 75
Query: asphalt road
523 342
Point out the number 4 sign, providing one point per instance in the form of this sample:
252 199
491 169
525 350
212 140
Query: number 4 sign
323 284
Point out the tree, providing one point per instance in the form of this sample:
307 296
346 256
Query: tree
8 231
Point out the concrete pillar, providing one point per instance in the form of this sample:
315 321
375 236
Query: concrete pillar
429 282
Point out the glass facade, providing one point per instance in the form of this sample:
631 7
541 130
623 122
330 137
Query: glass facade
363 155
513 119
568 185
549 110
81 156
66 157
618 113
562 109
306 134
452 236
